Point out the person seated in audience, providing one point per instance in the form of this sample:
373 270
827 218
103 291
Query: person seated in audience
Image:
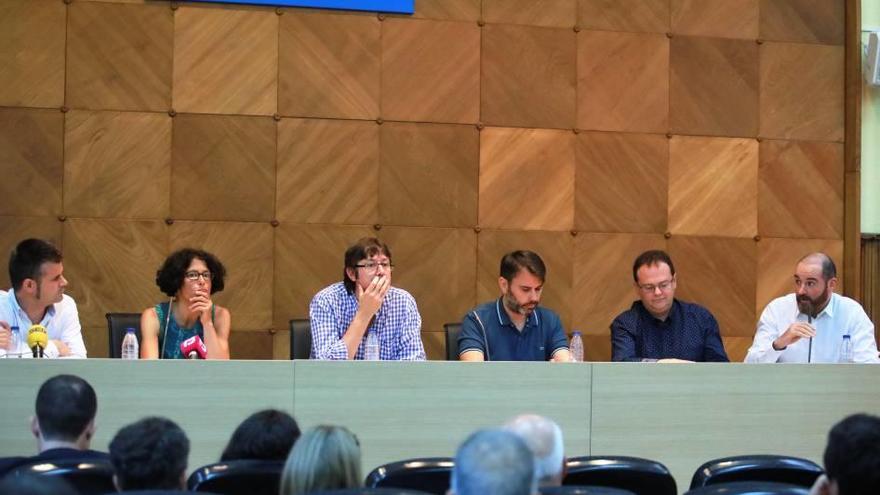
809 325
37 298
189 277
265 435
513 327
150 454
35 485
324 458
64 423
494 461
343 314
660 328
544 438
852 458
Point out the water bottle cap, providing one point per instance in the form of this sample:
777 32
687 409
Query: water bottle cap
847 336
576 332
129 330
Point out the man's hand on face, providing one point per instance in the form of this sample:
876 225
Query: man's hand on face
371 298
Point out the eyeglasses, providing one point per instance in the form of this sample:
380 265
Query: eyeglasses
372 266
193 275
650 288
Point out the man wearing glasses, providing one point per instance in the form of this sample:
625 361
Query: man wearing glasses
343 314
811 324
37 298
660 328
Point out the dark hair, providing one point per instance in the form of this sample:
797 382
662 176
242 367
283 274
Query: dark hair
365 247
852 456
169 278
26 260
264 435
65 406
512 263
829 269
149 454
29 484
652 257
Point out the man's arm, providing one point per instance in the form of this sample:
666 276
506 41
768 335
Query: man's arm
558 342
713 352
326 343
410 347
471 346
861 331
623 343
762 350
70 344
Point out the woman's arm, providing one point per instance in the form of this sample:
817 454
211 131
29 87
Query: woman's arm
149 334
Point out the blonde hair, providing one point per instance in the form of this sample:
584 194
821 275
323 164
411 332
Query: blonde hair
324 458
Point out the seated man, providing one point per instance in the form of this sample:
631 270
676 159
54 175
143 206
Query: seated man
513 327
343 313
852 458
496 462
150 454
544 439
809 325
37 298
64 423
658 327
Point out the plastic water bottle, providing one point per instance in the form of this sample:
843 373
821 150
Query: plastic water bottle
846 350
14 343
130 345
577 348
371 350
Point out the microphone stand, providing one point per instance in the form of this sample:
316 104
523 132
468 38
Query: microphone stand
810 321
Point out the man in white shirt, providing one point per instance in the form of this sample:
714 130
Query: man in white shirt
810 325
37 298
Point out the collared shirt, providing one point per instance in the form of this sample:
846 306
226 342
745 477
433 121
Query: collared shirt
841 316
541 337
397 325
61 321
689 332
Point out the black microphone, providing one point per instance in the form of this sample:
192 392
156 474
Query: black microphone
810 321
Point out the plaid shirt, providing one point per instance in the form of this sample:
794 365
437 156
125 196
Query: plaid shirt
397 324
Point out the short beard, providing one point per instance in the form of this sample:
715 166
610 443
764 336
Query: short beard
811 306
512 305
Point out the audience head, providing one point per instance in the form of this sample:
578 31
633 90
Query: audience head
35 485
852 456
365 250
264 435
324 458
655 282
494 461
36 271
150 454
65 413
544 439
190 266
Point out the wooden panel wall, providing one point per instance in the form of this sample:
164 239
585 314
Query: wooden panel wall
588 130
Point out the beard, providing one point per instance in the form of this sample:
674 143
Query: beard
513 305
812 306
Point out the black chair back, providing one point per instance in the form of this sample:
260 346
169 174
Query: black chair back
300 338
246 477
117 325
781 469
640 476
750 488
87 477
452 330
582 490
428 474
372 491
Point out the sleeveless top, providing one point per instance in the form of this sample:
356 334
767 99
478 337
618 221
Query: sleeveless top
175 334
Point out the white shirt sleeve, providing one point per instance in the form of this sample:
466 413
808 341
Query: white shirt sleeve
861 331
67 329
762 350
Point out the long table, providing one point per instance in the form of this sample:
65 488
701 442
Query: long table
680 415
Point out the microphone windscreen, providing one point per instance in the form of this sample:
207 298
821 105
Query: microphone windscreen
194 348
37 336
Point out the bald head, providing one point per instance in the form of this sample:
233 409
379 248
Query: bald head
829 270
544 439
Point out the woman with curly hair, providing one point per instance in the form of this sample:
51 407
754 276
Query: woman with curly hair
189 277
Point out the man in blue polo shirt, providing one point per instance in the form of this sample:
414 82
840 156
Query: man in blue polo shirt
513 327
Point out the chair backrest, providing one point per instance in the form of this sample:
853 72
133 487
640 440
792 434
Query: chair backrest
428 474
640 476
781 469
234 477
372 491
452 330
300 338
117 324
750 488
582 490
86 476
